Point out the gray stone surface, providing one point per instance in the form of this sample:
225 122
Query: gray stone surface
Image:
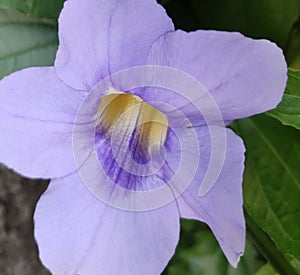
18 250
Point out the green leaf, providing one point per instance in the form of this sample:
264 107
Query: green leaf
272 181
271 19
293 87
288 111
198 253
40 8
25 41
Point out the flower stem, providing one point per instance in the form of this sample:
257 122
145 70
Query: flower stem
268 249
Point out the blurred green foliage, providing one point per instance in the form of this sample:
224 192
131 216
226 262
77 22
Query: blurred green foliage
270 19
39 8
198 253
267 269
292 49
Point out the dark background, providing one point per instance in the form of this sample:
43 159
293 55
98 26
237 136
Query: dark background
18 251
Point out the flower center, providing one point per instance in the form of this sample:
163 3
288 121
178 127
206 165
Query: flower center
126 114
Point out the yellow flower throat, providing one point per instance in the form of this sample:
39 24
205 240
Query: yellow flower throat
125 112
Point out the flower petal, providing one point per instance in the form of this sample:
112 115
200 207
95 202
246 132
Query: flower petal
244 76
222 207
37 111
98 38
78 234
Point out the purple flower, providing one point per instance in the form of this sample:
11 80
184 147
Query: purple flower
124 159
